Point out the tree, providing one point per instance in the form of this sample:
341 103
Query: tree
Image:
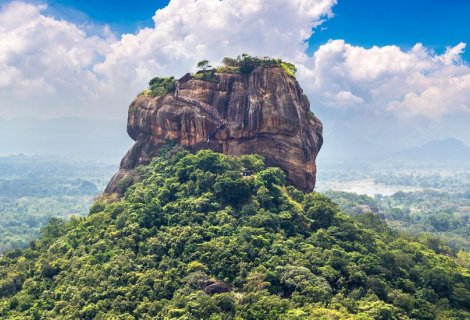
231 188
192 221
203 65
230 62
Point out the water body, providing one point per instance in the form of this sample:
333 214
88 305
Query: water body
363 186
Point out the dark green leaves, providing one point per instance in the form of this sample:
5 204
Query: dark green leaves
206 220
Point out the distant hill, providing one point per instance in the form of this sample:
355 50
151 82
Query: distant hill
441 151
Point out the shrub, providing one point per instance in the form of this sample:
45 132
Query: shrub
227 69
245 64
310 115
206 76
145 93
161 86
289 68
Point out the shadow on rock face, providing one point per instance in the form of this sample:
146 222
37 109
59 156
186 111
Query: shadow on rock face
264 112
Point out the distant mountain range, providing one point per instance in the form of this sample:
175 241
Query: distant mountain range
448 151
107 140
441 151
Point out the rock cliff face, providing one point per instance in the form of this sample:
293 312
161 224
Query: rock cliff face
264 112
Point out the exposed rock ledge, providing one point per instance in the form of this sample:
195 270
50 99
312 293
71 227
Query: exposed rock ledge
264 112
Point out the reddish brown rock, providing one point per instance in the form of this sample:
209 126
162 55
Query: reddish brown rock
264 112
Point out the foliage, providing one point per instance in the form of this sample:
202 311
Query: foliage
451 182
146 93
161 86
208 75
289 68
429 213
22 218
22 176
231 62
197 220
226 69
310 115
36 189
206 72
245 64
203 65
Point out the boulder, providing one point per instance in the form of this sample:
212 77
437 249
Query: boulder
264 112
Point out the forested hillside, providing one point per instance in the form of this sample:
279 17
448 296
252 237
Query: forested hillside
209 236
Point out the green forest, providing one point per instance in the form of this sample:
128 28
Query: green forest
439 215
34 189
209 236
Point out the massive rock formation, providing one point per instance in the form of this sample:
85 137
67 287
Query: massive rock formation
264 112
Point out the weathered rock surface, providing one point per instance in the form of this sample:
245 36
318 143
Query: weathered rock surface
216 287
264 112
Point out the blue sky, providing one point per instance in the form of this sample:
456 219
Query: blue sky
122 16
404 23
374 74
437 24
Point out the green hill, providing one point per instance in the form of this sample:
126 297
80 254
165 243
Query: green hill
208 236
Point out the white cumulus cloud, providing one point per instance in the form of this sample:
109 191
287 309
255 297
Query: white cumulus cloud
44 58
55 66
410 83
52 67
188 31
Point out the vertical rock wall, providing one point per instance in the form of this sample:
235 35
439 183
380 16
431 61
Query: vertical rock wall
264 112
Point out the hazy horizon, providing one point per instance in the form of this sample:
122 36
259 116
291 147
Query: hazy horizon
379 85
107 140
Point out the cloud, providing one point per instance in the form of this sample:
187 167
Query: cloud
52 67
188 31
410 83
45 63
